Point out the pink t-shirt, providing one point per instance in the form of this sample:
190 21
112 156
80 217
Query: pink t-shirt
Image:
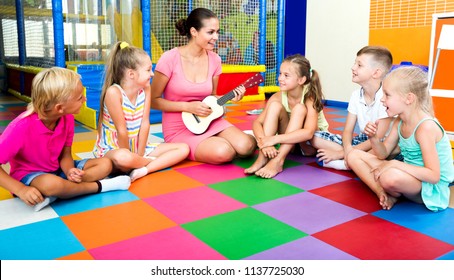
181 89
29 146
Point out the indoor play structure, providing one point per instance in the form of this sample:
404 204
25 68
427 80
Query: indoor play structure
78 35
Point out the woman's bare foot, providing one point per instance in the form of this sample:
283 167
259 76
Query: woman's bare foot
271 169
259 163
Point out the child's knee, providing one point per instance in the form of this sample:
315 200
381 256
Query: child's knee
104 166
299 109
49 184
390 179
353 156
122 159
274 107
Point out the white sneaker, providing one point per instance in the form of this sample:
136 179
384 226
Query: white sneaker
254 112
47 200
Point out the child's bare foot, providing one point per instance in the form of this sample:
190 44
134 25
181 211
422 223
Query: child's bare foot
271 169
259 163
386 201
383 199
391 201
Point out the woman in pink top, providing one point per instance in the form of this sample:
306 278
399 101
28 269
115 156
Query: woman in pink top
184 76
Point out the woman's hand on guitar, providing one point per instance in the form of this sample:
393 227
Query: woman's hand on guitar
239 92
199 108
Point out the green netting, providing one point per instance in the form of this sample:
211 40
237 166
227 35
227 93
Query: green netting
91 27
10 51
87 30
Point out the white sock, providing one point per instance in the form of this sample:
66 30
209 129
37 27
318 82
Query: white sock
47 200
116 183
138 173
338 164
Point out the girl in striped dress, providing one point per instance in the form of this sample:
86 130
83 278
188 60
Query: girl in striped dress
123 122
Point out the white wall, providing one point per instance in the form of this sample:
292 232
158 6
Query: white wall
336 30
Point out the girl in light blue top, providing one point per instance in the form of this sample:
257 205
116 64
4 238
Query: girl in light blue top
427 170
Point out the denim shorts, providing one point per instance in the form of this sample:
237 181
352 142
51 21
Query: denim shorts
337 138
358 139
27 179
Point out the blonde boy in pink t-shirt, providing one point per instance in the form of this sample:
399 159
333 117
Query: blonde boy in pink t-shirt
37 144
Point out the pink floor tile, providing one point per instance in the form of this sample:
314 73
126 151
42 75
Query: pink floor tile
193 204
210 174
171 244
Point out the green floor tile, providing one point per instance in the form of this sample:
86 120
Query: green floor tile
247 162
242 233
244 162
253 190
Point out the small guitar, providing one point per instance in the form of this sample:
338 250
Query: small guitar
197 124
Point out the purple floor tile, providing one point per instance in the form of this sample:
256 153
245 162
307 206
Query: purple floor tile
308 212
307 248
308 178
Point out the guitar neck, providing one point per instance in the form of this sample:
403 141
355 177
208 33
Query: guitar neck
225 98
249 83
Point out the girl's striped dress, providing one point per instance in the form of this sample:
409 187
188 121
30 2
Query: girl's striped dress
108 139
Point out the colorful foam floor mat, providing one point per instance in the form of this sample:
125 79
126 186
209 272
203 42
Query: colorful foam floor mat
196 211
